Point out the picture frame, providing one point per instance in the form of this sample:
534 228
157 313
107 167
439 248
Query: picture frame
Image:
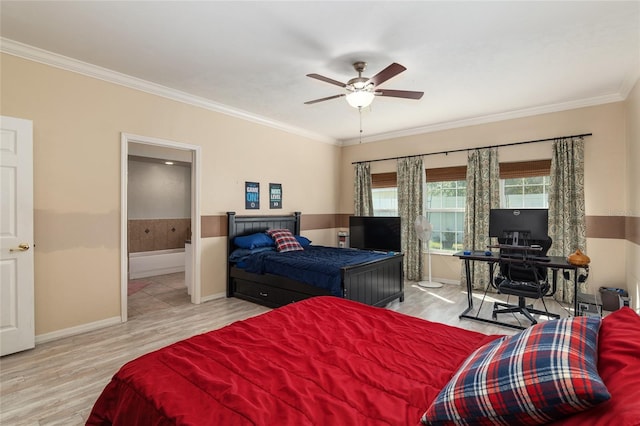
275 195
252 195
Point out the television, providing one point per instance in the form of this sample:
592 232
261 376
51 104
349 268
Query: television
519 225
380 233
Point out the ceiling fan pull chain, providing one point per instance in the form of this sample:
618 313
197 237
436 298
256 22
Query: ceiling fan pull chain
360 113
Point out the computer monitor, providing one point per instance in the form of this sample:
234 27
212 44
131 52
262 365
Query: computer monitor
520 226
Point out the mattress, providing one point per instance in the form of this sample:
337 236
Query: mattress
315 265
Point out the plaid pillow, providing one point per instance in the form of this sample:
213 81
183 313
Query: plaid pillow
546 372
285 241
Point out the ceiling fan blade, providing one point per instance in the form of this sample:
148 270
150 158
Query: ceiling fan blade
407 94
387 73
326 79
315 101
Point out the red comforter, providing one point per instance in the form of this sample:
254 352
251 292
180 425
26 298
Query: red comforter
330 361
322 361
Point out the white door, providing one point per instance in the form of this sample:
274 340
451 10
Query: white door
17 331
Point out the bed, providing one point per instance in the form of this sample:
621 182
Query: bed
373 366
376 281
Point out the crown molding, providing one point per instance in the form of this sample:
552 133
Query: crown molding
485 119
35 54
45 57
629 82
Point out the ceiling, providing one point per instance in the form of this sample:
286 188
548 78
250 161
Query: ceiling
476 61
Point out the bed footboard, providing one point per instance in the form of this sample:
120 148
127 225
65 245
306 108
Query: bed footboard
375 283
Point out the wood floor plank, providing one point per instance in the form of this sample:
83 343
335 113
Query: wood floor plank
57 382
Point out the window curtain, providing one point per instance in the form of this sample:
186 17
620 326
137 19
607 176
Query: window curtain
410 204
362 199
483 194
566 206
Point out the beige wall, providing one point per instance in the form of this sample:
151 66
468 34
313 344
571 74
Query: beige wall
633 195
606 177
78 122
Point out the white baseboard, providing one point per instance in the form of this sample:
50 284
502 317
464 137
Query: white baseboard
213 297
72 331
107 322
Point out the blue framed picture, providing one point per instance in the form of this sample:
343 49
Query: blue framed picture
252 195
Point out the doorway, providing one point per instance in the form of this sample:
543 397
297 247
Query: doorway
141 147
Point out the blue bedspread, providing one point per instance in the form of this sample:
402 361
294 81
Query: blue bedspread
315 265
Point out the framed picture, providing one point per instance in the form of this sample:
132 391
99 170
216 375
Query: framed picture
275 195
252 195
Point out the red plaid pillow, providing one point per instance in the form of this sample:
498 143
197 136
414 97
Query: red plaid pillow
544 373
285 241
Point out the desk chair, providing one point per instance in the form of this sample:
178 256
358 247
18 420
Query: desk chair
522 276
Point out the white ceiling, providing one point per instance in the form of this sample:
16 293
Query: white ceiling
476 61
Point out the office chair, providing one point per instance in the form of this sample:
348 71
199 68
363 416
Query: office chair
522 276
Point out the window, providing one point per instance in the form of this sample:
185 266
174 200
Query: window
444 209
522 185
529 192
385 201
444 206
445 199
525 184
384 193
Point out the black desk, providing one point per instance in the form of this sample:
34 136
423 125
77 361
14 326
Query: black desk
555 263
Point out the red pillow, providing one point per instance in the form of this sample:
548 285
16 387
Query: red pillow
619 368
285 241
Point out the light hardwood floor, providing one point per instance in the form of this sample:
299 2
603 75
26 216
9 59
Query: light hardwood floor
57 382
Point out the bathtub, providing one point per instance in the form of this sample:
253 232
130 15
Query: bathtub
159 262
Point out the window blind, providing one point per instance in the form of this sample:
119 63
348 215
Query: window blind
516 169
522 169
384 180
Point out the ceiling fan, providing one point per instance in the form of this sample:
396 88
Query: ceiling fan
360 90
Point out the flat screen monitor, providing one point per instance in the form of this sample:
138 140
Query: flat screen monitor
529 224
380 233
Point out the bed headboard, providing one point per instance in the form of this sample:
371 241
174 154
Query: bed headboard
245 225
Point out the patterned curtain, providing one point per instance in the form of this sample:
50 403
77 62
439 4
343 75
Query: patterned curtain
410 188
566 206
483 194
362 199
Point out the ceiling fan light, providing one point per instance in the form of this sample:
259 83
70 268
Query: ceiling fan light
359 85
360 98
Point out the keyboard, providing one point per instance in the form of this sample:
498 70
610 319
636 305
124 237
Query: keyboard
519 256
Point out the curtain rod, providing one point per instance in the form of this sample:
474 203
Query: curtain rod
470 149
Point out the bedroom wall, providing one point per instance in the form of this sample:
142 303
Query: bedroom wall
77 123
607 182
633 195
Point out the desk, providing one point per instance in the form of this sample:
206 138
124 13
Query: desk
555 263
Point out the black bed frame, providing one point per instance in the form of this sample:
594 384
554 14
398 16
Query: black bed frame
375 283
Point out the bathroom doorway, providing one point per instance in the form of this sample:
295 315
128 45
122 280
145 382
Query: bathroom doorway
160 244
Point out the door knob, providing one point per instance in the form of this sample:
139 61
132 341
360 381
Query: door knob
21 247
